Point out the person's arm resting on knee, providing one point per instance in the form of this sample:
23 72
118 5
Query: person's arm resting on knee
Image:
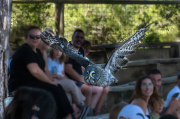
38 73
70 71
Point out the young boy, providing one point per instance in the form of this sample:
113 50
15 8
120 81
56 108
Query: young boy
156 107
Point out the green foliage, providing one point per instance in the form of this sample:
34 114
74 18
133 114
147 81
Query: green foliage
106 23
23 15
114 23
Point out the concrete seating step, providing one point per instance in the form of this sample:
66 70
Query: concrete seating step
103 116
131 85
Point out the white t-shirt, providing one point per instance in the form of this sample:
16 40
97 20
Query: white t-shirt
170 94
54 66
132 112
86 58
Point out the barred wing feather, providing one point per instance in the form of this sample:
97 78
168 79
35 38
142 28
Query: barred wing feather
118 59
62 44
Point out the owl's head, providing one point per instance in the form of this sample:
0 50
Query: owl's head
92 74
50 40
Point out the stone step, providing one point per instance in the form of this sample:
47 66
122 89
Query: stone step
130 86
134 69
141 54
103 116
148 62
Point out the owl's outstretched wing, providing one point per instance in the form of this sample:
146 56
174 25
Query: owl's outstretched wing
62 44
118 58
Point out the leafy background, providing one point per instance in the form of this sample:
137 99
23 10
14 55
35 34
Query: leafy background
102 23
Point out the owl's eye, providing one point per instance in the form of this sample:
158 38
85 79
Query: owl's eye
92 73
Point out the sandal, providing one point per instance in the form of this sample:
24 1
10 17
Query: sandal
95 113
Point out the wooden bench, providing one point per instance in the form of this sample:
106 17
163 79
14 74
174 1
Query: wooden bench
103 116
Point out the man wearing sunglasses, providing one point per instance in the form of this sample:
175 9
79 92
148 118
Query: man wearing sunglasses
176 89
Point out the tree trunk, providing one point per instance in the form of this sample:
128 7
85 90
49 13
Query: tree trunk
59 19
5 23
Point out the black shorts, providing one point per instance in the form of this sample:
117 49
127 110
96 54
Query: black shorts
79 84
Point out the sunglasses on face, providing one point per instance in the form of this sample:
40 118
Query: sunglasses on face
35 36
144 85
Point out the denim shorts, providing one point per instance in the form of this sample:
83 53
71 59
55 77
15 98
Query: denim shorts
79 84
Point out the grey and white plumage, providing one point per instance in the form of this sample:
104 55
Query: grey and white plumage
94 75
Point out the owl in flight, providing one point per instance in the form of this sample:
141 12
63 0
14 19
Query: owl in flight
93 74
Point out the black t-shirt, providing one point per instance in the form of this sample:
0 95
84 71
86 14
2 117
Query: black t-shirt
76 66
18 66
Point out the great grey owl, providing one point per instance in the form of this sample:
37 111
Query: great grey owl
94 75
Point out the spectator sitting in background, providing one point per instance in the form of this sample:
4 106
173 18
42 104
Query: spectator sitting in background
155 75
156 106
174 106
31 103
86 46
56 64
144 91
95 95
56 68
10 53
176 89
116 109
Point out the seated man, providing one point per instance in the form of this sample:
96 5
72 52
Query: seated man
155 74
94 95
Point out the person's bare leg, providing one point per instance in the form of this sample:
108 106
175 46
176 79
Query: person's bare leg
101 99
96 93
76 111
87 92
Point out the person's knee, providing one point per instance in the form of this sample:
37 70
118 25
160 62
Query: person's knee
71 83
53 87
68 83
100 90
86 90
106 90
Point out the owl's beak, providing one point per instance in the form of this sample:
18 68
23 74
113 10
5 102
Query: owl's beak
89 77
